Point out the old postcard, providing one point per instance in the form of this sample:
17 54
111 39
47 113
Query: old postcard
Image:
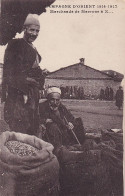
62 81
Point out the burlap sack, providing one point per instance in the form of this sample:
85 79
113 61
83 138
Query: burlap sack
30 175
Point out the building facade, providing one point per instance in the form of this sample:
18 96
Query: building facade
81 76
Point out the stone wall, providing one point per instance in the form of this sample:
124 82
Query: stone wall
90 86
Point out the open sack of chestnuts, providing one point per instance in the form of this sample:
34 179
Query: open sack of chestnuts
27 166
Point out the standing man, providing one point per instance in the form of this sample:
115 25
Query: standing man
111 94
102 94
58 123
119 97
22 80
107 93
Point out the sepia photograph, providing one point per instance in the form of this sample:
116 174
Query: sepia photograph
62 70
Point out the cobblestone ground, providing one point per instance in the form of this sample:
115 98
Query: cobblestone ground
96 115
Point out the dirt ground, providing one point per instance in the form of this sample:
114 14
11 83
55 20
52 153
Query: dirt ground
96 115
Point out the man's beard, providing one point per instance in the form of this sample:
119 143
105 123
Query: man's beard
53 107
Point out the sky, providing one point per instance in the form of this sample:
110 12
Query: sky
64 38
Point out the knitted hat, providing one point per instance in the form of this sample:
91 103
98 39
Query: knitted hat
32 19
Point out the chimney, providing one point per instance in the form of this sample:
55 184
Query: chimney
82 61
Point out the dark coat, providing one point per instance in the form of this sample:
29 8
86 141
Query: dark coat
119 97
18 61
47 113
65 115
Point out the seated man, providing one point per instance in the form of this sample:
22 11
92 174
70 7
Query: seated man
59 125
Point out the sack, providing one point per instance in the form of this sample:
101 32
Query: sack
112 155
83 172
27 175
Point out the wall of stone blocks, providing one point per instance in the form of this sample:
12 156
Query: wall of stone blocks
92 87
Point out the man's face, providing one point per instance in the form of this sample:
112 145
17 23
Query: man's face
54 101
31 32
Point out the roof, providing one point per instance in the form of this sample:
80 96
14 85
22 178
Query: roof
55 74
116 75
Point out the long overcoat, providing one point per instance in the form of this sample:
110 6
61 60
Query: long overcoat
18 61
59 123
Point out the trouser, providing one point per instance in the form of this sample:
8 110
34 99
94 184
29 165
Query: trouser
23 118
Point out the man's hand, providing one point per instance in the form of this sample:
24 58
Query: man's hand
42 127
31 80
70 126
45 71
42 131
48 120
25 97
